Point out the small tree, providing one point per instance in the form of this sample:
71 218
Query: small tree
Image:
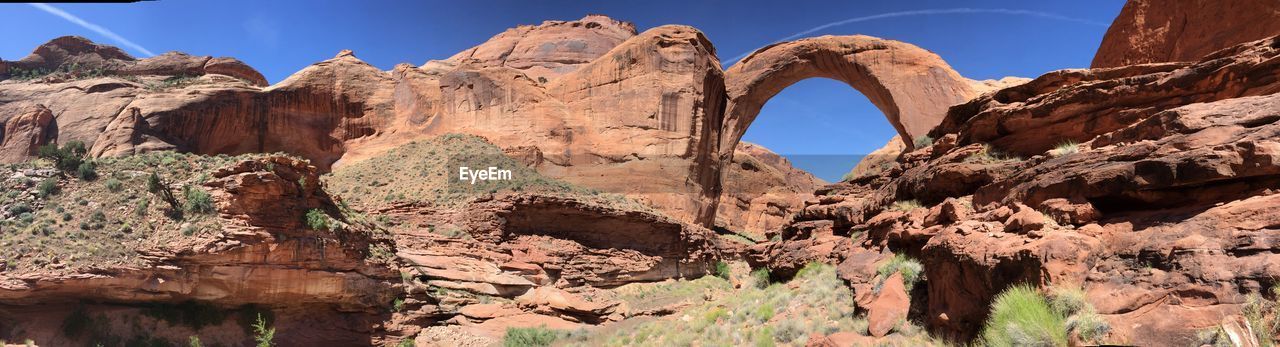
87 170
157 186
198 201
263 334
67 159
317 219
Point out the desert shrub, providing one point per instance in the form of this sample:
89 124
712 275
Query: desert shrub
989 155
114 185
248 315
760 278
923 141
1067 300
1065 148
87 170
406 342
19 208
905 205
789 330
1261 315
397 305
263 334
1088 326
66 158
523 337
194 341
47 187
198 200
1020 316
900 263
317 219
722 269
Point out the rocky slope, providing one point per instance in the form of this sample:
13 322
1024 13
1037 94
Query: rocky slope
595 103
1154 195
1150 189
761 191
250 251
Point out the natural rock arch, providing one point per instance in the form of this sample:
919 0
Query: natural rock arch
912 86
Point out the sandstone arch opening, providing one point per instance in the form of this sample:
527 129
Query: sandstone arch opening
911 86
820 126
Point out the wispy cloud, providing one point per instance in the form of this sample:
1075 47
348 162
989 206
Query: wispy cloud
92 27
940 11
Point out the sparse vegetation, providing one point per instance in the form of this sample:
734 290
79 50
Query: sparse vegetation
527 337
425 172
722 270
317 219
67 158
172 82
1022 316
1065 148
814 301
76 224
923 141
910 269
905 205
1262 315
47 187
198 200
989 155
760 278
114 185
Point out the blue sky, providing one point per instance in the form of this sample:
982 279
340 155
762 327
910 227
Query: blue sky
816 116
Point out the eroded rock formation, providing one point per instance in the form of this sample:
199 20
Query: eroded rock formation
1161 31
1158 179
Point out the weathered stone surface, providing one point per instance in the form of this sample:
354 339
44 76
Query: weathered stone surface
761 190
889 309
546 51
1158 31
26 132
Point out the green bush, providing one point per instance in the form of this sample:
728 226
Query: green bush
1088 326
1067 300
114 185
760 278
722 269
47 187
317 220
524 337
923 141
87 171
900 263
67 158
198 200
19 208
1020 316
